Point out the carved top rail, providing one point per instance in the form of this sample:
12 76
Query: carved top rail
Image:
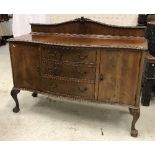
87 26
83 32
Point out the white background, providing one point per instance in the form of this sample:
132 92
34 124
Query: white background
80 7
77 6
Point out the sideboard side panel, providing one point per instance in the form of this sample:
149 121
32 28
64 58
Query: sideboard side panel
25 65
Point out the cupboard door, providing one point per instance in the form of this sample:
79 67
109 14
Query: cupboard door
25 65
119 75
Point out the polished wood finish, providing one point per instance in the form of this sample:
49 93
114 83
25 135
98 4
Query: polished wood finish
74 40
119 75
68 88
88 26
27 74
81 59
65 70
79 55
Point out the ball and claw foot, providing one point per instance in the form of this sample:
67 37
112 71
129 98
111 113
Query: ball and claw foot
135 112
34 94
14 93
16 109
134 133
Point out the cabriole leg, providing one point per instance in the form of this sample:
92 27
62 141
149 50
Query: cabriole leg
34 94
135 112
14 93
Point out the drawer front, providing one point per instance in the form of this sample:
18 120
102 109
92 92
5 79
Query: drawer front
68 88
81 55
49 68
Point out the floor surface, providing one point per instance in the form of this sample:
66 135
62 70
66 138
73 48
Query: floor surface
45 118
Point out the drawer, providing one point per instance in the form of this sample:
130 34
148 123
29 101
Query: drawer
81 55
68 88
50 68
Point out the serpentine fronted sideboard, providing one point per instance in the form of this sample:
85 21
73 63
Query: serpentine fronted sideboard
81 59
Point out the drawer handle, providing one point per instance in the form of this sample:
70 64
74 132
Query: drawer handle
55 54
80 72
52 54
82 89
83 57
101 77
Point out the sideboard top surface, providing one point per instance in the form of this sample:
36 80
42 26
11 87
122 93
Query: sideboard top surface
84 40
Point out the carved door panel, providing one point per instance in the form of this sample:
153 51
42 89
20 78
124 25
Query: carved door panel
25 64
119 75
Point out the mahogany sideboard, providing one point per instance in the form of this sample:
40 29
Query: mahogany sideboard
81 59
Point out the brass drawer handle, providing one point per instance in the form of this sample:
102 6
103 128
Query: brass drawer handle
53 54
79 71
83 57
82 89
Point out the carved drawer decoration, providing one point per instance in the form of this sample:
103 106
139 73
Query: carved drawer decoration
51 69
81 55
69 88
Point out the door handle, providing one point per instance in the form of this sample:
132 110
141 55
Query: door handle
101 77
